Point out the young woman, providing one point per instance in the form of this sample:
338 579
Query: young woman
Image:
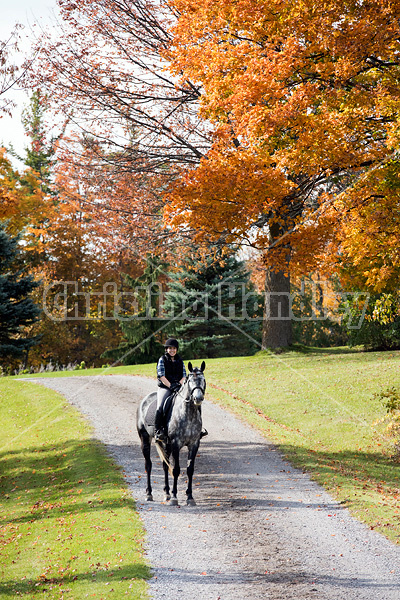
171 374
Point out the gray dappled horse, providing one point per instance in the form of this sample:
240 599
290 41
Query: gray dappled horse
183 426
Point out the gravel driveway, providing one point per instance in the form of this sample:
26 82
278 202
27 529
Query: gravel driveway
261 529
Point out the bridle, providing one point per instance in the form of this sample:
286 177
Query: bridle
197 387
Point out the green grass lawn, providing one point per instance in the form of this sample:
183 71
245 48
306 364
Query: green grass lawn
320 409
69 528
318 405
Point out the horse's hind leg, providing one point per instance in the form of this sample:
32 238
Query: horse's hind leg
176 472
167 495
145 441
190 470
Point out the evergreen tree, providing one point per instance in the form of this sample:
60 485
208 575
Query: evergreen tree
314 322
214 307
36 181
40 154
17 309
140 325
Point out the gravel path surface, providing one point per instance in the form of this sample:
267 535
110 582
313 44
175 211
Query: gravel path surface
261 529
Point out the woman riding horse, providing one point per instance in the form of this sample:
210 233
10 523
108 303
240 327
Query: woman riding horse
171 374
184 428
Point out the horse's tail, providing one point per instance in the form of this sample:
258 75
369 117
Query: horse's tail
162 454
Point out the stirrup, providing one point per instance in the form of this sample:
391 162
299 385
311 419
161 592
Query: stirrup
203 433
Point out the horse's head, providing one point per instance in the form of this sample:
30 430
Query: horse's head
196 383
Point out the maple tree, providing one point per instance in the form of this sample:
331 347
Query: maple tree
78 257
18 200
124 207
368 236
27 196
303 98
149 127
46 204
136 125
71 232
122 94
271 123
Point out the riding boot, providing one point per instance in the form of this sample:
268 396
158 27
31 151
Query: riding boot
204 431
159 435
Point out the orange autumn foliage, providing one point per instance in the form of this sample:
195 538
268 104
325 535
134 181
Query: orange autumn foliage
303 99
368 238
122 208
271 122
19 200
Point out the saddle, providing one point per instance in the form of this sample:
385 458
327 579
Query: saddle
168 405
150 414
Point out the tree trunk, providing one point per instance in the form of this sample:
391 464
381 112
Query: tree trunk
26 358
277 323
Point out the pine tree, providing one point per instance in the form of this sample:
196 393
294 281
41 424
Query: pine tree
141 325
214 307
36 190
40 154
17 309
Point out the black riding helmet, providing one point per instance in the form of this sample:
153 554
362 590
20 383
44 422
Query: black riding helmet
171 342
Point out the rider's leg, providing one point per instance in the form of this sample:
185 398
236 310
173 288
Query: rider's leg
162 395
204 431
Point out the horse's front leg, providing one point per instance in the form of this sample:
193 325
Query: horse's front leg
176 471
167 495
190 470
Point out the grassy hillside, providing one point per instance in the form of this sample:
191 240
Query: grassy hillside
319 407
69 528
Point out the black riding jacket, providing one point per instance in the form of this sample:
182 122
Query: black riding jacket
174 370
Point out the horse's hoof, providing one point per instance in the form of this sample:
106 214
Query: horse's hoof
167 498
174 502
149 498
190 502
